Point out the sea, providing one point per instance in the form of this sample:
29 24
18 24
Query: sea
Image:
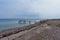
12 23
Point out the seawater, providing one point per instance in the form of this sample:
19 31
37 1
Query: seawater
8 24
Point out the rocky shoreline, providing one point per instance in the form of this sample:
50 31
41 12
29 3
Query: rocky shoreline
8 32
43 30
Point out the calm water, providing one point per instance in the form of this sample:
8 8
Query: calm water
7 24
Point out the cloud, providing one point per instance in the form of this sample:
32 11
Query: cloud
43 8
28 8
47 8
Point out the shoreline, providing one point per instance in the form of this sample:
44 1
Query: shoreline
8 32
12 31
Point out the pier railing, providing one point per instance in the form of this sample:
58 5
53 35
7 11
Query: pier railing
27 21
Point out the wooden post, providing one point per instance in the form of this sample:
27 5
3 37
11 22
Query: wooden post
29 22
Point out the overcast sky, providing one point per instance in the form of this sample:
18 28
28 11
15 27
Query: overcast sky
30 8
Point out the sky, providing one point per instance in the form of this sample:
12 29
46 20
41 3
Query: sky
44 9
